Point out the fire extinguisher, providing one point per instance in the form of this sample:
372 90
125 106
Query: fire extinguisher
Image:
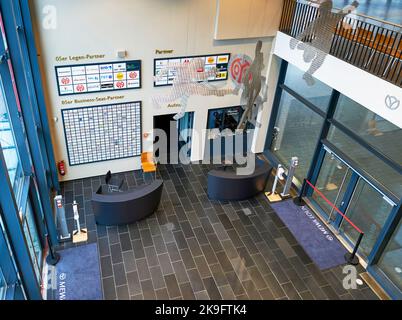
62 168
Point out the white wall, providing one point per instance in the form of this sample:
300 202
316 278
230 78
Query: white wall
364 88
140 27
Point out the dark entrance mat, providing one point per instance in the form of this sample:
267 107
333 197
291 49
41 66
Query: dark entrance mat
319 243
78 274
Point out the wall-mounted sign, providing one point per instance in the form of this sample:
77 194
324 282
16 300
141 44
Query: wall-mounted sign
165 74
157 51
98 77
102 133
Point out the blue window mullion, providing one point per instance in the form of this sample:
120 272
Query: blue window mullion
37 83
13 228
27 97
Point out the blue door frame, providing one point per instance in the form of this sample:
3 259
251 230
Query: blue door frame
18 54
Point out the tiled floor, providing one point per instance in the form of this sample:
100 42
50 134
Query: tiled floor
194 248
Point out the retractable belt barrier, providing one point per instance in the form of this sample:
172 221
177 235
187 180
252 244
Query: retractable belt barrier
351 258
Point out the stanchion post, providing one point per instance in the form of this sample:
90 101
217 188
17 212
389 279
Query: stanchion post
299 199
351 257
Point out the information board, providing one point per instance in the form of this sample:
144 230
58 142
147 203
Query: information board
88 78
164 75
102 133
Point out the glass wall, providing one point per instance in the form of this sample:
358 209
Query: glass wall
8 143
297 130
378 132
391 261
3 285
364 180
385 175
319 94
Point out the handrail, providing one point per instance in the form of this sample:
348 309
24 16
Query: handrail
370 46
364 16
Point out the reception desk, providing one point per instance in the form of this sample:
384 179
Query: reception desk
126 207
225 184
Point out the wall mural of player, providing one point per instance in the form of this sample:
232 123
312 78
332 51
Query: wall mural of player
320 31
191 79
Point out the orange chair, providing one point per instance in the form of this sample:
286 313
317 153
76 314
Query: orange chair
148 162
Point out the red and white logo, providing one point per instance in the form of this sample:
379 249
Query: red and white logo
80 88
65 81
133 75
120 84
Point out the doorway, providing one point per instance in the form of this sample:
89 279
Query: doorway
178 135
364 204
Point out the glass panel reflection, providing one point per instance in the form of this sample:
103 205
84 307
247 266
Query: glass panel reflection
297 131
391 261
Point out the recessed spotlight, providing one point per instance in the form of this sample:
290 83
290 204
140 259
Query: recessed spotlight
398 270
359 282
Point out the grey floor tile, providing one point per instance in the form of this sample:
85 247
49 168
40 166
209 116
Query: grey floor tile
202 295
290 291
109 289
165 264
151 256
129 261
187 291
106 266
172 286
148 290
162 294
195 280
180 272
266 294
227 292
257 278
138 249
202 267
209 254
119 274
160 245
235 283
122 293
157 278
143 269
251 290
125 242
194 247
173 251
116 253
285 247
187 259
134 285
224 261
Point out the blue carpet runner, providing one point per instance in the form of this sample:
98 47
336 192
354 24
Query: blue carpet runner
78 274
312 234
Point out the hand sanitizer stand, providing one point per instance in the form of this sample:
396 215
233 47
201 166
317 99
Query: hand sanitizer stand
79 235
273 196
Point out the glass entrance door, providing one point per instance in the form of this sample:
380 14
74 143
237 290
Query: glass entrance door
369 210
366 206
332 182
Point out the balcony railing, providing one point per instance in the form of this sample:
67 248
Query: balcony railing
369 44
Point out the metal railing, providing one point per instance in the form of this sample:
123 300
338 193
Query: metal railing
367 43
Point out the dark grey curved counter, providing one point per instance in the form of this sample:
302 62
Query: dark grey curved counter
126 207
226 185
